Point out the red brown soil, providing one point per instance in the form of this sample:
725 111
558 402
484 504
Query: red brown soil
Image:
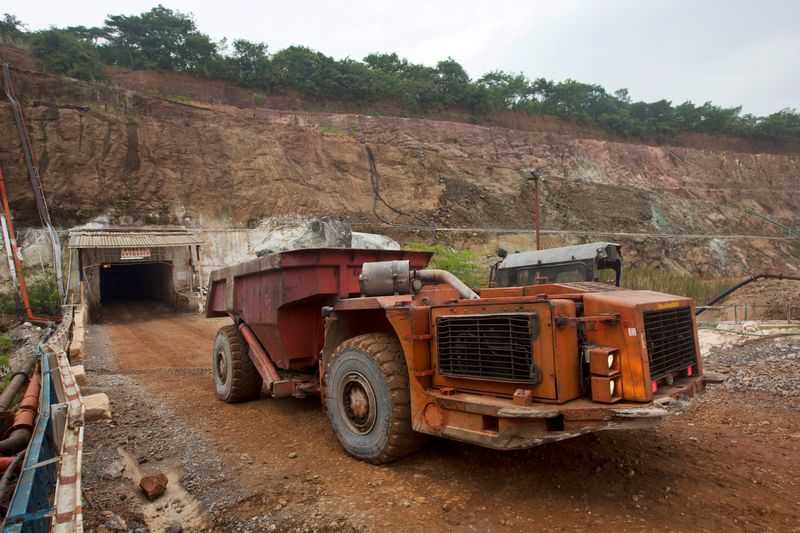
730 463
18 58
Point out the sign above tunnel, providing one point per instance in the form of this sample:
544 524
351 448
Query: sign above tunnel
134 254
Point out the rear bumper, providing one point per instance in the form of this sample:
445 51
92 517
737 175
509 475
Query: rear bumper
500 424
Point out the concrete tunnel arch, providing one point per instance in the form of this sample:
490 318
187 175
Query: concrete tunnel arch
121 264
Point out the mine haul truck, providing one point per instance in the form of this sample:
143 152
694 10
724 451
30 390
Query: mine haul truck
398 351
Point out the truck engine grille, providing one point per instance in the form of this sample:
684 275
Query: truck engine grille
497 347
669 335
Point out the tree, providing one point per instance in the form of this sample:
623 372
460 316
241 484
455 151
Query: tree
506 91
783 124
453 83
11 26
63 53
93 35
251 65
302 69
158 39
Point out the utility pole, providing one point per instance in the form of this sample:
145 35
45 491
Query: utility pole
533 174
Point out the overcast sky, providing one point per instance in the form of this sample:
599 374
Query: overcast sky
735 52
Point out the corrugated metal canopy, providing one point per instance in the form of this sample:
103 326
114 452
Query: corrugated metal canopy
135 238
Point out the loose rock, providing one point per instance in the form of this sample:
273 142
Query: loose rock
153 486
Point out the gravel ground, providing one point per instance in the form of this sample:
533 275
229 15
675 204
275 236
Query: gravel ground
769 364
25 338
151 433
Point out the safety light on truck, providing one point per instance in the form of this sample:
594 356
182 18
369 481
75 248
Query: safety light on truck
606 390
604 361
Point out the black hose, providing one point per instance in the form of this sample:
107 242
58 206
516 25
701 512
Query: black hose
5 481
17 441
376 190
741 284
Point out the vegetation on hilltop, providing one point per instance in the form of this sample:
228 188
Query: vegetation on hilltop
167 40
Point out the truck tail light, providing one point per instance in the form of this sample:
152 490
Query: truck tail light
655 387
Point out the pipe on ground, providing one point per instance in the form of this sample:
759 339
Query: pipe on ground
6 462
20 432
433 275
5 481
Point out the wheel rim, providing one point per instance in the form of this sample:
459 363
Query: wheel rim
221 366
357 403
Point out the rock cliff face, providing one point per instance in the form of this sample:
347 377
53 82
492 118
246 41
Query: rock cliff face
111 155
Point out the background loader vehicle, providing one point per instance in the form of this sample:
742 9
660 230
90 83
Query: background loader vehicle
398 351
596 261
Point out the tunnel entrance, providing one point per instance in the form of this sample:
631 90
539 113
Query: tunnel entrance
118 267
139 281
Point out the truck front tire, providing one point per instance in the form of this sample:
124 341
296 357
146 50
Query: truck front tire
367 399
235 377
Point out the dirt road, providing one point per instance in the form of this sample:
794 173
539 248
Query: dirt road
731 463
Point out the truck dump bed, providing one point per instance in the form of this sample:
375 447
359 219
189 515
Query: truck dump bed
280 296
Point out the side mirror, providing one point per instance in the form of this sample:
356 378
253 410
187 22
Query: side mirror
502 253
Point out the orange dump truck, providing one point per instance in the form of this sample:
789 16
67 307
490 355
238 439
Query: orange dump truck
398 351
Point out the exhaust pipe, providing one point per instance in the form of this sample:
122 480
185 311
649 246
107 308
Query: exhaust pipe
384 278
433 275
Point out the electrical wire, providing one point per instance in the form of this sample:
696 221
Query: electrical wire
36 181
377 197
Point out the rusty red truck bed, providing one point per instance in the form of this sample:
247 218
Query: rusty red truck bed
280 296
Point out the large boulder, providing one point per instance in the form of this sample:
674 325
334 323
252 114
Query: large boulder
373 241
294 233
298 233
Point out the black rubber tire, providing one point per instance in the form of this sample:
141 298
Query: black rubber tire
241 381
377 357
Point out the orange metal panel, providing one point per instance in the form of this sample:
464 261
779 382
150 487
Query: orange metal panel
628 333
568 372
543 349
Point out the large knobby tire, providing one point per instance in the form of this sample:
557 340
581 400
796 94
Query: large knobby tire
235 377
367 399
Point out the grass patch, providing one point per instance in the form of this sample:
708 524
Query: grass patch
327 129
178 99
463 263
699 289
5 359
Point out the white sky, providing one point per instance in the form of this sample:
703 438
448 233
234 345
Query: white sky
735 52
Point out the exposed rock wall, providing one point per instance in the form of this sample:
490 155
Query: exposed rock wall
114 156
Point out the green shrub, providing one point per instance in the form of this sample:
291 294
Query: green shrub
463 263
330 130
258 99
8 306
42 295
5 350
179 99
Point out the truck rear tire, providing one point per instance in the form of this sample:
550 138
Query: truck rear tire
367 399
235 377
